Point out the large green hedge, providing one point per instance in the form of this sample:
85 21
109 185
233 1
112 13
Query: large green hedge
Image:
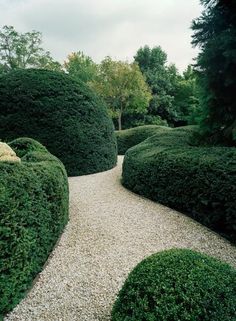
62 114
34 211
195 180
130 137
178 285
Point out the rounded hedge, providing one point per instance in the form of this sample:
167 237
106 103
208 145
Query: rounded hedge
178 285
62 114
199 181
130 137
34 211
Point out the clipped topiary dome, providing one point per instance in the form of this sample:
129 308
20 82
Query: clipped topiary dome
178 285
61 113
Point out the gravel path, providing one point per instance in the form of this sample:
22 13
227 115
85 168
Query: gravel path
110 231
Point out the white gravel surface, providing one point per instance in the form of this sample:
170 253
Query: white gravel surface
110 231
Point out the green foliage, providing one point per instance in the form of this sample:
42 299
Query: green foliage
123 88
133 136
178 285
198 181
25 145
186 102
61 113
34 211
174 97
22 50
150 120
134 120
215 34
81 67
161 80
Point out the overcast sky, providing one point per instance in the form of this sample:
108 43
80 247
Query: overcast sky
107 27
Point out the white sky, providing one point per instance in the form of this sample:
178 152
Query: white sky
107 27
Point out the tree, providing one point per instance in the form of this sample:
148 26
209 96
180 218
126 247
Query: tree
215 34
161 79
80 67
123 87
22 50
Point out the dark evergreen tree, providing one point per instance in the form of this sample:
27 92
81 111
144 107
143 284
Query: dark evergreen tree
215 34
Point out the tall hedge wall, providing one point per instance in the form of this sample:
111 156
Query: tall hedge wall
178 285
34 211
200 182
62 114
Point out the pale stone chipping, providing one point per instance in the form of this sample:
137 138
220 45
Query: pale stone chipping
110 231
7 154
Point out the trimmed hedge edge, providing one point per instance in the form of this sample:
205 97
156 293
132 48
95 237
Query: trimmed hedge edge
197 181
34 212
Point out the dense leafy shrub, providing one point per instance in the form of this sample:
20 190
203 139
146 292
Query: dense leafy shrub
34 211
130 137
62 114
178 285
196 180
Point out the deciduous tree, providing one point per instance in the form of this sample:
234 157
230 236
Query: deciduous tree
23 50
123 87
80 66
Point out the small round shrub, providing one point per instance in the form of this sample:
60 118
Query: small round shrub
178 285
62 114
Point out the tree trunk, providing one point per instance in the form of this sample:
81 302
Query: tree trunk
119 122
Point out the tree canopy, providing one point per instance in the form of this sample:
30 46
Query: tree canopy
80 66
123 87
23 50
172 94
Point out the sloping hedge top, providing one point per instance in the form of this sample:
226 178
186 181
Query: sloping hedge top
34 211
164 136
130 137
62 114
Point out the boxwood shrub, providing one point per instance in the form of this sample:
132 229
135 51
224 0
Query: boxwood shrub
34 211
178 285
62 114
198 181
